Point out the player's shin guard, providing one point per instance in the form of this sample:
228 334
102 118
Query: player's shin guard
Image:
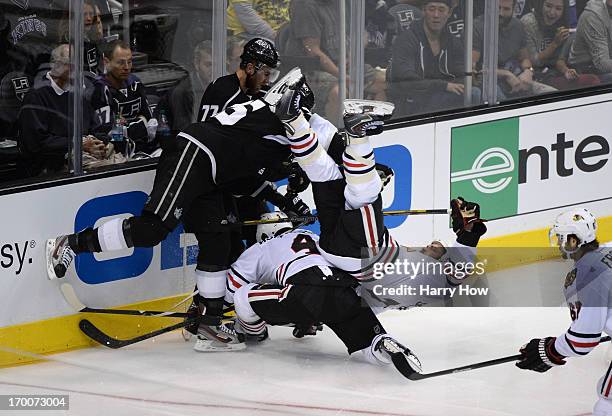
362 181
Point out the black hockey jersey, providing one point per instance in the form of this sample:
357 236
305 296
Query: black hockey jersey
129 102
220 94
241 140
31 30
91 57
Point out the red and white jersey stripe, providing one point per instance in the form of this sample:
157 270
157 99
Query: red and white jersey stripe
275 260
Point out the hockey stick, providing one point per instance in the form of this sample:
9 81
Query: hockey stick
72 299
420 376
306 218
100 337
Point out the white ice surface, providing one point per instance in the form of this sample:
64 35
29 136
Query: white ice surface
314 376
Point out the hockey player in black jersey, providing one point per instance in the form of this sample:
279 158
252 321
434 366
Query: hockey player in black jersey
120 93
257 70
222 154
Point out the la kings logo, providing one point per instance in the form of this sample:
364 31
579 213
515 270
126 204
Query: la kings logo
27 25
21 85
129 109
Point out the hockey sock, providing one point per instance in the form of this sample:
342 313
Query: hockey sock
250 322
252 328
313 159
362 181
213 308
211 286
326 132
85 241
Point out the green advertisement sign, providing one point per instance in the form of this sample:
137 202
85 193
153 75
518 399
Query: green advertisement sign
484 166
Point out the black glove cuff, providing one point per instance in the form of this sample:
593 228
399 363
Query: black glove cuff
274 197
137 130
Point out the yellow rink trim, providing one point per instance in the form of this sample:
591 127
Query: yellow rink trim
63 334
528 247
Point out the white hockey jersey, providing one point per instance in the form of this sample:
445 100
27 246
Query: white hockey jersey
276 260
588 293
413 278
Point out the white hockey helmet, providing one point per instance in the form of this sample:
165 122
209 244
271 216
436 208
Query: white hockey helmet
267 231
578 222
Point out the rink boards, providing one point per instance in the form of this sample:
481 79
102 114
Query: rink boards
524 166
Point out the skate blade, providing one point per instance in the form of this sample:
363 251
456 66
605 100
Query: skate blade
50 247
210 346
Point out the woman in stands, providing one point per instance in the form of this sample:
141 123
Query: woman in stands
549 41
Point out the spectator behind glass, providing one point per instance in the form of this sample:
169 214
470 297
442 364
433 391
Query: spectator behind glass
428 64
547 29
92 58
234 47
456 21
182 103
250 19
31 31
404 13
591 52
376 21
121 93
46 124
515 70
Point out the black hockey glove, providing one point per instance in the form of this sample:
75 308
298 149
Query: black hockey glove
307 101
302 330
540 355
385 173
295 207
297 178
361 125
137 131
466 221
289 107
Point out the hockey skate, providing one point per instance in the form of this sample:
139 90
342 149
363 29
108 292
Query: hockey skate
252 338
221 337
402 358
59 256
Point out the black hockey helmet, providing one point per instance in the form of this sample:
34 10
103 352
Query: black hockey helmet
261 51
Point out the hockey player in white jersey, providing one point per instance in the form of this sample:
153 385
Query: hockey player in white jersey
588 293
285 280
349 204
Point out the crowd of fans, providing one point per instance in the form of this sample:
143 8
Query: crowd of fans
414 56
